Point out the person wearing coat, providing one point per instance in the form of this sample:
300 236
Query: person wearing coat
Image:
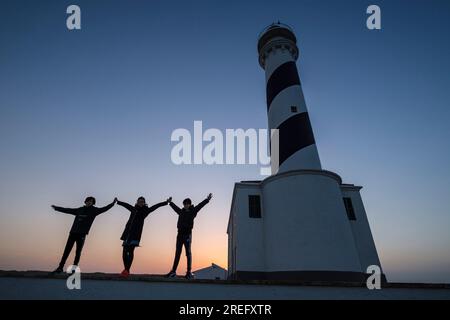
84 217
132 233
186 216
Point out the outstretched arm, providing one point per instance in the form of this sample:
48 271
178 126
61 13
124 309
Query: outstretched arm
66 210
106 208
125 205
174 207
198 207
156 206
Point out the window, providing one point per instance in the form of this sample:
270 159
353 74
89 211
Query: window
293 109
254 206
349 208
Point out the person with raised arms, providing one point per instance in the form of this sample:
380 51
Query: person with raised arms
132 233
84 217
185 223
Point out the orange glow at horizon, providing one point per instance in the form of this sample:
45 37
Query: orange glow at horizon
102 252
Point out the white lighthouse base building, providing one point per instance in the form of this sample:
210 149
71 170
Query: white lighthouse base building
299 225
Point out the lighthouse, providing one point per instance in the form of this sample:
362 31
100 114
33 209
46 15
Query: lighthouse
302 222
286 107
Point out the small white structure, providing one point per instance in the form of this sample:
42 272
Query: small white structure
301 223
213 272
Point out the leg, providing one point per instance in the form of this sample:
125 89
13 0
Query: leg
177 252
127 256
130 256
80 243
67 249
187 249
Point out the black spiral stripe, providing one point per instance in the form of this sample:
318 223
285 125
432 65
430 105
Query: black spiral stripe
295 133
284 76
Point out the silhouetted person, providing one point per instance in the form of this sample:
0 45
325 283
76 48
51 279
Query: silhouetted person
185 224
131 236
84 217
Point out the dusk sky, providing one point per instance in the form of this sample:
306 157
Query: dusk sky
91 112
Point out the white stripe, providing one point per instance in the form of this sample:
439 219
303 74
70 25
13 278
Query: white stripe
280 108
306 158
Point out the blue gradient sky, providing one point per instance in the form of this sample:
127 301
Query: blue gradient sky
92 111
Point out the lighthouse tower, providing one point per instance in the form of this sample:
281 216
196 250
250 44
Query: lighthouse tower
302 222
286 108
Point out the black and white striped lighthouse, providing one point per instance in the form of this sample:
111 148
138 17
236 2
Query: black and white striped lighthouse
286 108
301 222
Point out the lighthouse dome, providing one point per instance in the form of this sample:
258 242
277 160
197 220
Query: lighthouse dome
275 36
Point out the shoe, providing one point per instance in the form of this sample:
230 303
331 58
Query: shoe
189 275
125 274
171 274
57 271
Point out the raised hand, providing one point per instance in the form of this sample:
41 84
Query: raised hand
209 196
115 200
169 200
